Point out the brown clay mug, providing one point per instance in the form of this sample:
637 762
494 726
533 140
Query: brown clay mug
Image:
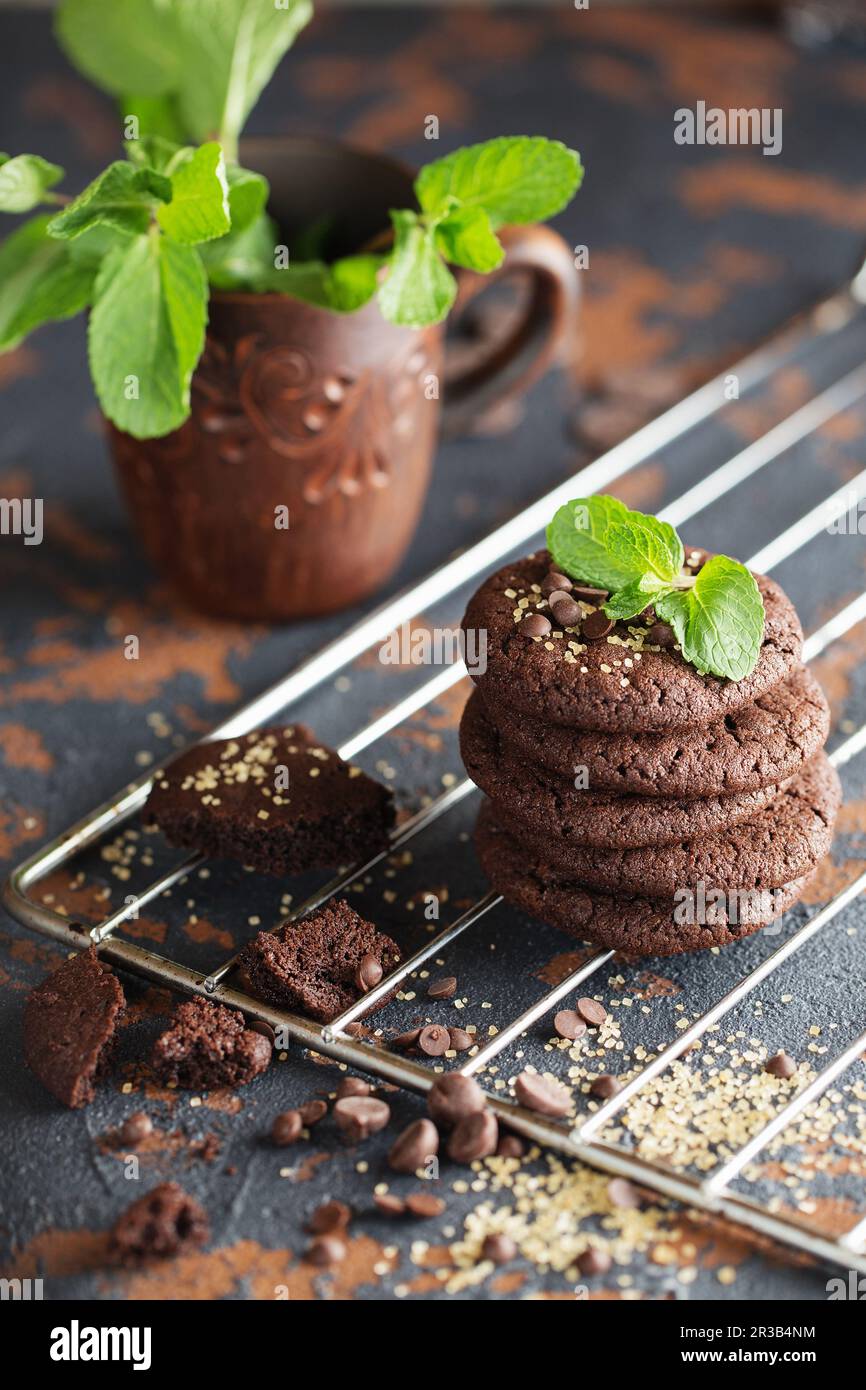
296 484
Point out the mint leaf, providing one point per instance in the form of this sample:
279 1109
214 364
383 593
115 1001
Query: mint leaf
420 288
576 538
466 238
352 282
25 180
719 621
230 49
147 332
248 194
122 197
514 179
39 281
199 207
647 546
156 116
155 152
634 598
242 260
123 46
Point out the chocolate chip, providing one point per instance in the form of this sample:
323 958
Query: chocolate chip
597 626
475 1137
569 1024
389 1205
781 1065
535 625
136 1128
414 1147
442 988
424 1204
330 1216
406 1040
539 1094
590 595
287 1128
368 974
559 596
461 1041
605 1086
510 1146
594 1261
312 1111
554 582
434 1040
326 1250
622 1193
592 1012
358 1117
353 1086
452 1097
258 1025
566 611
498 1248
661 635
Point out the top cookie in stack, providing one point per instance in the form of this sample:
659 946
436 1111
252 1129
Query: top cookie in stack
632 800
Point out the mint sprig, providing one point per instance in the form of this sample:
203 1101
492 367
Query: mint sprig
717 615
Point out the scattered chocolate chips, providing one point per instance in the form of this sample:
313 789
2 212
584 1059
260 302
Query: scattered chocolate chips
510 1146
389 1205
535 625
476 1136
554 582
622 1193
411 1149
597 626
136 1128
566 610
312 1111
605 1086
442 988
592 1012
461 1041
569 1024
326 1250
434 1040
330 1216
587 594
781 1065
287 1128
594 1261
407 1040
539 1094
368 974
358 1117
353 1086
499 1248
424 1204
661 635
452 1097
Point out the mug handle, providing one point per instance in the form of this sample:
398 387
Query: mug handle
511 366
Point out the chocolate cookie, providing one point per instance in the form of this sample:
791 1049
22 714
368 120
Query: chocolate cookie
316 966
69 1027
278 800
208 1045
161 1224
622 680
636 925
760 745
781 843
545 805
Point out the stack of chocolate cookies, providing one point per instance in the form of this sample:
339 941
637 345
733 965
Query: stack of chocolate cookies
630 800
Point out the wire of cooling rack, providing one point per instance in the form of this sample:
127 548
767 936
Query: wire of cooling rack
583 1139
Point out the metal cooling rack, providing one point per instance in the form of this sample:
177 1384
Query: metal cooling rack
711 1194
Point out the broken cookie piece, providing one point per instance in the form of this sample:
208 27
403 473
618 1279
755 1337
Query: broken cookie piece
320 965
208 1045
162 1223
69 1027
278 800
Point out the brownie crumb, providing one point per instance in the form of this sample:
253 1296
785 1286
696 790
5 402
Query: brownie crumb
312 966
164 1222
70 1022
208 1045
278 800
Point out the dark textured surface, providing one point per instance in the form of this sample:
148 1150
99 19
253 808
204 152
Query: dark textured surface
695 254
